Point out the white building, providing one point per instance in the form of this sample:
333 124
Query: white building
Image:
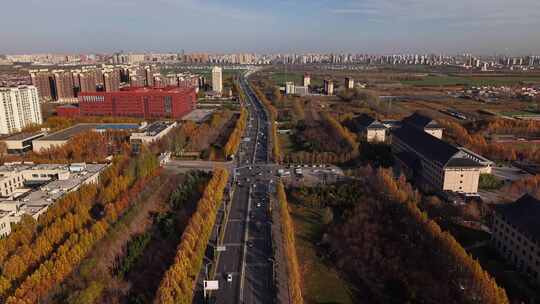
29 189
217 80
291 89
5 223
307 80
152 132
19 108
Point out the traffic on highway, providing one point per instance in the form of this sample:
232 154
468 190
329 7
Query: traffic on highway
244 268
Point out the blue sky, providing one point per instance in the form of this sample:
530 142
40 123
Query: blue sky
372 26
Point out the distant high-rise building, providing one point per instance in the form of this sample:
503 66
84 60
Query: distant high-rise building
136 81
19 108
63 86
217 80
307 80
328 87
87 81
135 58
42 80
149 73
349 83
111 80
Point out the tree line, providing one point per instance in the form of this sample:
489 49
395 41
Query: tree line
478 144
395 253
47 251
289 245
236 136
341 131
178 283
88 146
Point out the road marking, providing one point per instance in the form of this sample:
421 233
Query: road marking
258 265
232 244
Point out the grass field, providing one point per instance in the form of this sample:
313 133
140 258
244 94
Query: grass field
321 282
297 77
471 81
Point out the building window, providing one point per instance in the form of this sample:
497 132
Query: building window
168 104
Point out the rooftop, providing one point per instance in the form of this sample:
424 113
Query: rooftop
80 128
420 121
524 214
364 121
426 144
130 90
52 190
463 162
156 127
24 135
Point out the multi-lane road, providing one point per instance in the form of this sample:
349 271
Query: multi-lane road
244 268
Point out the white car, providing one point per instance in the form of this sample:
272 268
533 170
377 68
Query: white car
229 277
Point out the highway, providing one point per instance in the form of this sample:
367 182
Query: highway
247 257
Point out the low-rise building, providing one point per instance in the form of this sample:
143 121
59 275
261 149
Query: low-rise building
21 142
369 129
291 89
152 132
424 123
516 234
29 189
61 137
434 164
5 223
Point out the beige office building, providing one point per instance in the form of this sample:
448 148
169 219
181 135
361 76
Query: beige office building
434 164
516 234
368 128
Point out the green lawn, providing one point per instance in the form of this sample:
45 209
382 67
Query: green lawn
321 282
517 113
281 77
472 81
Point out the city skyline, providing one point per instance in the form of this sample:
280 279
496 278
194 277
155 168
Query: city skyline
369 26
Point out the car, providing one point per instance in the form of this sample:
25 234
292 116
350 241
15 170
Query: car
229 277
258 205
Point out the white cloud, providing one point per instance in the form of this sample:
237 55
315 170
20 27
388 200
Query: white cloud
453 13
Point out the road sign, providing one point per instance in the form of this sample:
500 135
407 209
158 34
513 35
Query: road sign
221 248
211 285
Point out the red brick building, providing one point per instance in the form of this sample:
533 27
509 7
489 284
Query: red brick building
170 102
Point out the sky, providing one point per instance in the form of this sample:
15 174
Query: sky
271 26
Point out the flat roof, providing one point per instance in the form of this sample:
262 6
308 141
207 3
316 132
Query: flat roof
49 192
68 133
157 127
24 135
